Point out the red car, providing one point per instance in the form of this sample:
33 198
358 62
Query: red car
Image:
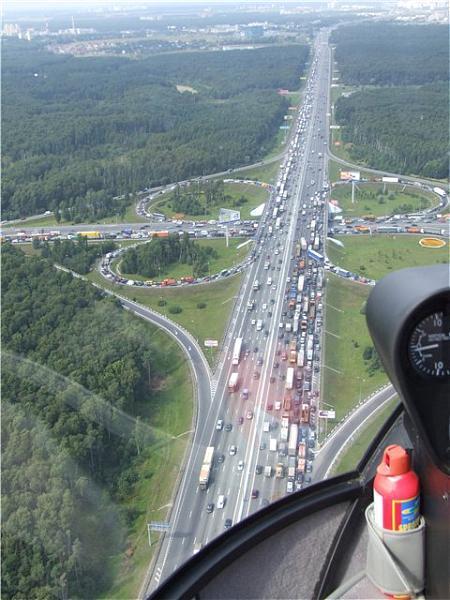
270 406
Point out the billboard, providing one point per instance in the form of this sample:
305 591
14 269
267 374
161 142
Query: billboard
211 343
227 215
327 414
350 176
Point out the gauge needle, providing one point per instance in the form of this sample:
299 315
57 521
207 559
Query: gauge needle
429 347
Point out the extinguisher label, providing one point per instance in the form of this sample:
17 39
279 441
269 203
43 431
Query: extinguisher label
378 508
405 513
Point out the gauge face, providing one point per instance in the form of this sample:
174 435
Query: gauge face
429 346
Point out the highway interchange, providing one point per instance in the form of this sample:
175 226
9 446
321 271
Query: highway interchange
190 525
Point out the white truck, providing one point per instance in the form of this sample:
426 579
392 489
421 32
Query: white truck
290 378
237 351
273 444
233 382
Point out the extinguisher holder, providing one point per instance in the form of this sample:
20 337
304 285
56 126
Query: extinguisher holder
396 559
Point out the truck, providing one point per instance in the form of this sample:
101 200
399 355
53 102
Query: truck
91 235
439 191
295 323
279 471
304 415
301 356
273 444
302 450
278 223
389 179
293 351
256 285
300 283
284 430
237 351
233 382
301 464
205 470
268 471
290 378
316 242
303 244
293 437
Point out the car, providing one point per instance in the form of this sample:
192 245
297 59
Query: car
249 414
255 494
262 446
264 306
228 427
259 469
255 349
259 361
209 507
270 406
232 450
220 458
278 405
240 466
220 501
276 365
266 333
256 375
228 523
269 313
253 321
272 379
219 425
240 420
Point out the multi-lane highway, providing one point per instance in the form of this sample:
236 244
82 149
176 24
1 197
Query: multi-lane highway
261 369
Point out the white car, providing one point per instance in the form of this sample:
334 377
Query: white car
264 306
219 425
220 501
233 450
253 321
240 466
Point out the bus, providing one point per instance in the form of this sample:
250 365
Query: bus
290 378
205 471
237 351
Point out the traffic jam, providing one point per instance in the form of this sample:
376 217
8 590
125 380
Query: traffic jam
288 436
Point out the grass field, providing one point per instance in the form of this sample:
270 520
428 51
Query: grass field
346 376
206 323
267 173
254 194
351 457
371 199
375 256
171 415
227 257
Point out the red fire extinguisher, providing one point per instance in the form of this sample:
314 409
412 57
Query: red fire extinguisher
396 492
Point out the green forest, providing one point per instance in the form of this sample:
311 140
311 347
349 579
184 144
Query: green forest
76 255
75 368
391 53
79 135
402 130
151 259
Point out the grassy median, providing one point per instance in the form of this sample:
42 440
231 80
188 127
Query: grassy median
238 196
377 255
381 199
204 323
347 376
351 457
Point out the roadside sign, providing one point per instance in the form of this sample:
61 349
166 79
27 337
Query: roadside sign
159 525
327 414
211 343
